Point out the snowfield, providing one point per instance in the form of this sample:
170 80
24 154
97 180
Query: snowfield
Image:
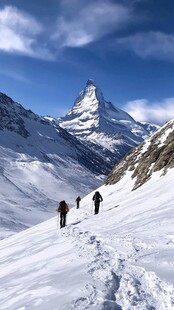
121 258
30 189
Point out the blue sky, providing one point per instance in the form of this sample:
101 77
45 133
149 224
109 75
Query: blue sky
49 48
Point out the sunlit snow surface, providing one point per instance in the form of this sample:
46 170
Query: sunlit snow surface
30 189
38 171
121 258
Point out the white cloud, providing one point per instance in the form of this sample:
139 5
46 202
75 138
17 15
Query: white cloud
78 24
19 32
154 112
151 45
90 22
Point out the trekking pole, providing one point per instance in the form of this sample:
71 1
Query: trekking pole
92 207
66 218
57 221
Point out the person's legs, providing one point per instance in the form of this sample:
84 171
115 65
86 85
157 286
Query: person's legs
64 219
61 220
97 204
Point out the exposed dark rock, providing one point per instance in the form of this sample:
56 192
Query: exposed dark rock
159 156
11 114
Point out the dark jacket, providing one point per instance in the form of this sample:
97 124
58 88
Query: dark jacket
78 199
97 197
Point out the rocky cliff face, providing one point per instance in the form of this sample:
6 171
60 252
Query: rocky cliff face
154 154
11 116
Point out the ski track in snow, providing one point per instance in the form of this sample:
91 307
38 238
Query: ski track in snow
120 259
114 280
123 285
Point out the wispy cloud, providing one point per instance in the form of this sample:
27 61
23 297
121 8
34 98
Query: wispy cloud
153 112
91 21
19 33
78 24
150 45
14 75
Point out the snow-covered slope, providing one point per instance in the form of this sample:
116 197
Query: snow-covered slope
110 131
40 164
120 259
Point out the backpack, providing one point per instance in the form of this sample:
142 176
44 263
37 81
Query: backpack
97 197
63 208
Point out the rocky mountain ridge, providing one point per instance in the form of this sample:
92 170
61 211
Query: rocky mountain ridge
154 154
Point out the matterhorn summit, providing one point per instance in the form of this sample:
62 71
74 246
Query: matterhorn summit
109 130
91 113
84 117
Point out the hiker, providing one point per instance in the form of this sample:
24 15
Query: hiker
78 201
97 198
63 209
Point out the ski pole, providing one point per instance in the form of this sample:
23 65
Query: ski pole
102 206
92 207
57 221
66 218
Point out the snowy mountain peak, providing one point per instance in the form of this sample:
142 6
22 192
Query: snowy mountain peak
89 99
109 130
90 110
90 82
92 90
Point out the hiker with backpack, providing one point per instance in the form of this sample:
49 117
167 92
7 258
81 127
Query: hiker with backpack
78 201
63 209
97 198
